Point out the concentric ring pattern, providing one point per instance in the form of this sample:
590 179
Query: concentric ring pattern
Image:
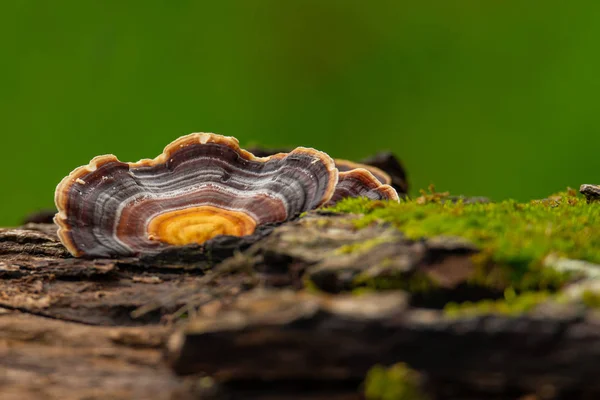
202 185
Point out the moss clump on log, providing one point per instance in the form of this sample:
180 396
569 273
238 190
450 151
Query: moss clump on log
414 283
513 235
511 304
398 382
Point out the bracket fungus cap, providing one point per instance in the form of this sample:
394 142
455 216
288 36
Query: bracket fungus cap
201 186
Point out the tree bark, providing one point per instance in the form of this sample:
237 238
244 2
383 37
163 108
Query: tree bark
272 316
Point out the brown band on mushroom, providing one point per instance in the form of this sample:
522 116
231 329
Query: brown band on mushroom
361 183
112 208
346 165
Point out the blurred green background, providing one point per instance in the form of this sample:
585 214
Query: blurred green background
479 97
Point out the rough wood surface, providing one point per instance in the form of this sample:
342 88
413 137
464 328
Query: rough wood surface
285 335
41 358
273 316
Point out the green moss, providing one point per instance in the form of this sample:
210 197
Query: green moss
362 290
397 382
323 223
591 299
511 304
356 205
360 247
514 237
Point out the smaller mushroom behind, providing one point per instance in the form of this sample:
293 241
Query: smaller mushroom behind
387 161
359 182
346 165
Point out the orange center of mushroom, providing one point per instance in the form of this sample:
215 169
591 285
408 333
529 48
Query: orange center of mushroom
199 224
